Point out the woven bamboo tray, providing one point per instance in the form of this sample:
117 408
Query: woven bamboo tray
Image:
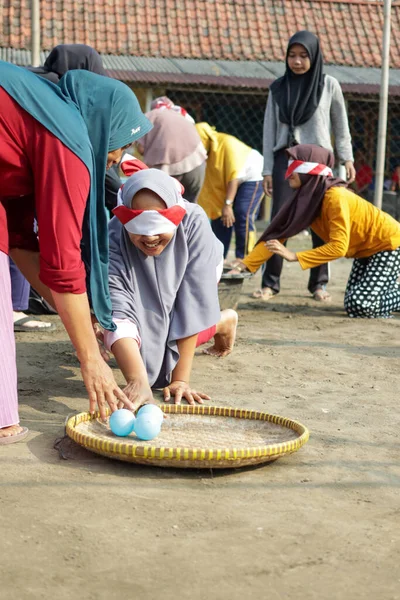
196 437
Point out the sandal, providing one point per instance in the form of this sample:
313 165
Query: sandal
12 439
20 326
321 295
263 294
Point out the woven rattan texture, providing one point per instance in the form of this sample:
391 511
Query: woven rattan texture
197 437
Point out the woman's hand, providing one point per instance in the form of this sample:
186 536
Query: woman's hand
102 387
228 217
350 171
276 247
181 389
138 392
267 185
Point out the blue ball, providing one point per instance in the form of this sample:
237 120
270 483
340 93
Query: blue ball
147 428
122 422
152 411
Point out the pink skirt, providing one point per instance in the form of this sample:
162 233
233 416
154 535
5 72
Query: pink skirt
8 366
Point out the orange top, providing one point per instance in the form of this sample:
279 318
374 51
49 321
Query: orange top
349 225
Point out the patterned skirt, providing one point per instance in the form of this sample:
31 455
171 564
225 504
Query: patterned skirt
373 289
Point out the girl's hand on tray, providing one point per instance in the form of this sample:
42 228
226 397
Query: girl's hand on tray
182 390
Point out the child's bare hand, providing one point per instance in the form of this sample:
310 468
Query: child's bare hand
182 390
138 392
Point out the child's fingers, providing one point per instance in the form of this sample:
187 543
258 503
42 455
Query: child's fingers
201 395
167 394
189 397
178 396
198 398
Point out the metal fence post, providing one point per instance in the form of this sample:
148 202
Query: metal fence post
35 33
383 107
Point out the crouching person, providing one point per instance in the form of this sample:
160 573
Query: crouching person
163 285
349 225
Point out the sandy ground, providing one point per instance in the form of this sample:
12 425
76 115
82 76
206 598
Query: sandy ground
323 523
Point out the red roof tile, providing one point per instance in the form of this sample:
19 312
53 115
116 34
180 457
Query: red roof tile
350 31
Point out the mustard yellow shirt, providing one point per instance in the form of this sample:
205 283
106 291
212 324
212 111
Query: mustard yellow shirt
226 158
349 225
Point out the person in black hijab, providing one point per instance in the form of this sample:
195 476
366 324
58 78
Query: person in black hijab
298 92
304 107
69 57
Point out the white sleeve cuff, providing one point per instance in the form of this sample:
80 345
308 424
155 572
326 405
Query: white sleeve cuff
220 269
125 329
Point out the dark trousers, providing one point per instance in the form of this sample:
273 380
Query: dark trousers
281 191
20 288
192 182
245 208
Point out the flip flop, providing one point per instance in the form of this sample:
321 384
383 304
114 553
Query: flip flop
321 295
20 325
17 437
263 295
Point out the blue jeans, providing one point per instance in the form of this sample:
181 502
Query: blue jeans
245 208
20 288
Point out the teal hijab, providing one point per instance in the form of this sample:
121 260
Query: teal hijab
91 115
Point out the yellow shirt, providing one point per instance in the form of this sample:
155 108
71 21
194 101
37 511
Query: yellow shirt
349 225
226 158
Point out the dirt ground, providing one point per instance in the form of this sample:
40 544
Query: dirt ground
322 523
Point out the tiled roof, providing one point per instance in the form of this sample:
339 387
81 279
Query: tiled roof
350 31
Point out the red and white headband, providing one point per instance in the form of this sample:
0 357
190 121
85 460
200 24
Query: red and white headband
149 222
165 103
310 168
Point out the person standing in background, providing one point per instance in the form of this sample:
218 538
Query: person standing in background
304 107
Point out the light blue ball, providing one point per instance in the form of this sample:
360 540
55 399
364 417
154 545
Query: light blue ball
122 422
147 428
152 411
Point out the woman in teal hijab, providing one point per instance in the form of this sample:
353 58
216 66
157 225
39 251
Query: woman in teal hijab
55 145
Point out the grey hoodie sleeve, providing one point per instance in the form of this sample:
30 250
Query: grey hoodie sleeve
340 123
269 135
